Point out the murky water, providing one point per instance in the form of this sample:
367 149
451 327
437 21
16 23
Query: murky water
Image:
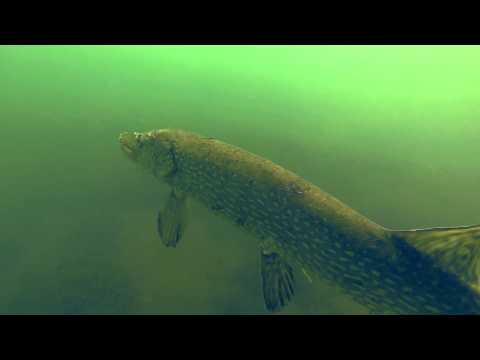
392 131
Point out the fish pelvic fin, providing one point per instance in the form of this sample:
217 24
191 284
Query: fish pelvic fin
277 281
456 249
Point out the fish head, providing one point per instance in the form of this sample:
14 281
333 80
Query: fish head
152 150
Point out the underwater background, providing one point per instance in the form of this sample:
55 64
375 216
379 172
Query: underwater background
392 131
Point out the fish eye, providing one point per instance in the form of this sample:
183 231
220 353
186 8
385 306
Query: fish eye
138 139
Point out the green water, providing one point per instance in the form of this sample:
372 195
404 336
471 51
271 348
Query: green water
393 131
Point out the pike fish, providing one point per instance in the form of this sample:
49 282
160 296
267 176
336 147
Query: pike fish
296 224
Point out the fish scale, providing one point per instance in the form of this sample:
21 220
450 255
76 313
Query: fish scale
316 231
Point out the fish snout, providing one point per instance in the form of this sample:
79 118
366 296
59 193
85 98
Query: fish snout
128 141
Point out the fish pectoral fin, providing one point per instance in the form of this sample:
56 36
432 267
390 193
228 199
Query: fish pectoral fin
171 221
277 281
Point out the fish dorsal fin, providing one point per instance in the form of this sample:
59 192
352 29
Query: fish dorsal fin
457 250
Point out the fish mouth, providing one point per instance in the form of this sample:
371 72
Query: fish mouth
128 142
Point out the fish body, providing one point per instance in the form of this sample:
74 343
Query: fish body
427 271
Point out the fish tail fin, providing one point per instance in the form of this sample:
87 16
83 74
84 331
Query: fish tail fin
457 249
